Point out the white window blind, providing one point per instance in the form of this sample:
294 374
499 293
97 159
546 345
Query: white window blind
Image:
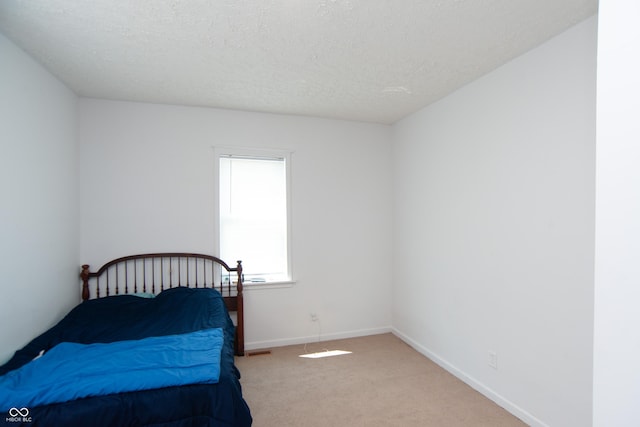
253 215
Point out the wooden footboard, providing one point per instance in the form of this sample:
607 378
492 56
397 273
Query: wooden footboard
153 273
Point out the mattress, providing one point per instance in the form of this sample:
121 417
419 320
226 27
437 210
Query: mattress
126 317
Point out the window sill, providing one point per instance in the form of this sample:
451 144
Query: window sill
250 286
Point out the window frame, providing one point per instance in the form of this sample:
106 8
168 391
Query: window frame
255 153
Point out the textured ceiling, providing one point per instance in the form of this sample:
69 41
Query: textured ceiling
369 60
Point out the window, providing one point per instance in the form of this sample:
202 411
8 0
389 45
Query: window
253 212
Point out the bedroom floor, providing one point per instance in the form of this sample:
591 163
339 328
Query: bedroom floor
383 382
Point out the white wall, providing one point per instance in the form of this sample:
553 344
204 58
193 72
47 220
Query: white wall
493 230
616 380
39 213
147 185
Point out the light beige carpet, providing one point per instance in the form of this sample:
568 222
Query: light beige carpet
384 382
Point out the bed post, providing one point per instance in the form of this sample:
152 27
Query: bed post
240 317
85 282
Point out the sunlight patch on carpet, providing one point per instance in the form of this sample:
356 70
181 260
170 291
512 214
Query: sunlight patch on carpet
326 353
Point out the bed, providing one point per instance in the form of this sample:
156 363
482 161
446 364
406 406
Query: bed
173 307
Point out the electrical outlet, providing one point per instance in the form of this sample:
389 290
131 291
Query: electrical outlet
493 359
314 317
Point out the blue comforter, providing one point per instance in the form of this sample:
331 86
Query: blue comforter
120 318
72 371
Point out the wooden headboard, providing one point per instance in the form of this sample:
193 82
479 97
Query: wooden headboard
153 273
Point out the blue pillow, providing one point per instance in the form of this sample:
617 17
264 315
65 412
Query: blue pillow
144 295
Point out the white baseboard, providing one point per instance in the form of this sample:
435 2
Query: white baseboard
255 345
472 382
